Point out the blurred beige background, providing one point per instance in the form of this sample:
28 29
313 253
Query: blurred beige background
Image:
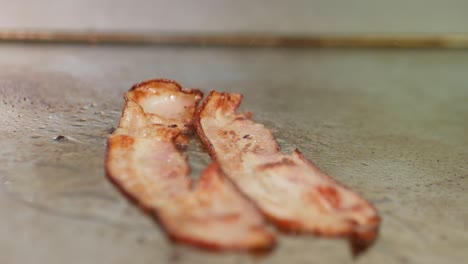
274 16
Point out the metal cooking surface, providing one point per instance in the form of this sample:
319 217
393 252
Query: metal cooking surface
392 125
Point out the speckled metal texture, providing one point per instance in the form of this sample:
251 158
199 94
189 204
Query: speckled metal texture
390 124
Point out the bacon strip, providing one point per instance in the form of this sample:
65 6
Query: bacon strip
143 160
290 191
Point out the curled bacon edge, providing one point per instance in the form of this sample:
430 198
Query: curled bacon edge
214 215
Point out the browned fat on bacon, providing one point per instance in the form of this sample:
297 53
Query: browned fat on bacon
293 193
145 163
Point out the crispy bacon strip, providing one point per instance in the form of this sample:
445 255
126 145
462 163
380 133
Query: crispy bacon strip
143 160
290 191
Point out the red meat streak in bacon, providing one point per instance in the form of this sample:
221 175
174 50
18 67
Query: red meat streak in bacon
290 191
144 162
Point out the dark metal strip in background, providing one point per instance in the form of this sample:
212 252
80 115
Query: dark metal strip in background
314 41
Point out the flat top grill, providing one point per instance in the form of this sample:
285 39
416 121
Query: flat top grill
391 124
